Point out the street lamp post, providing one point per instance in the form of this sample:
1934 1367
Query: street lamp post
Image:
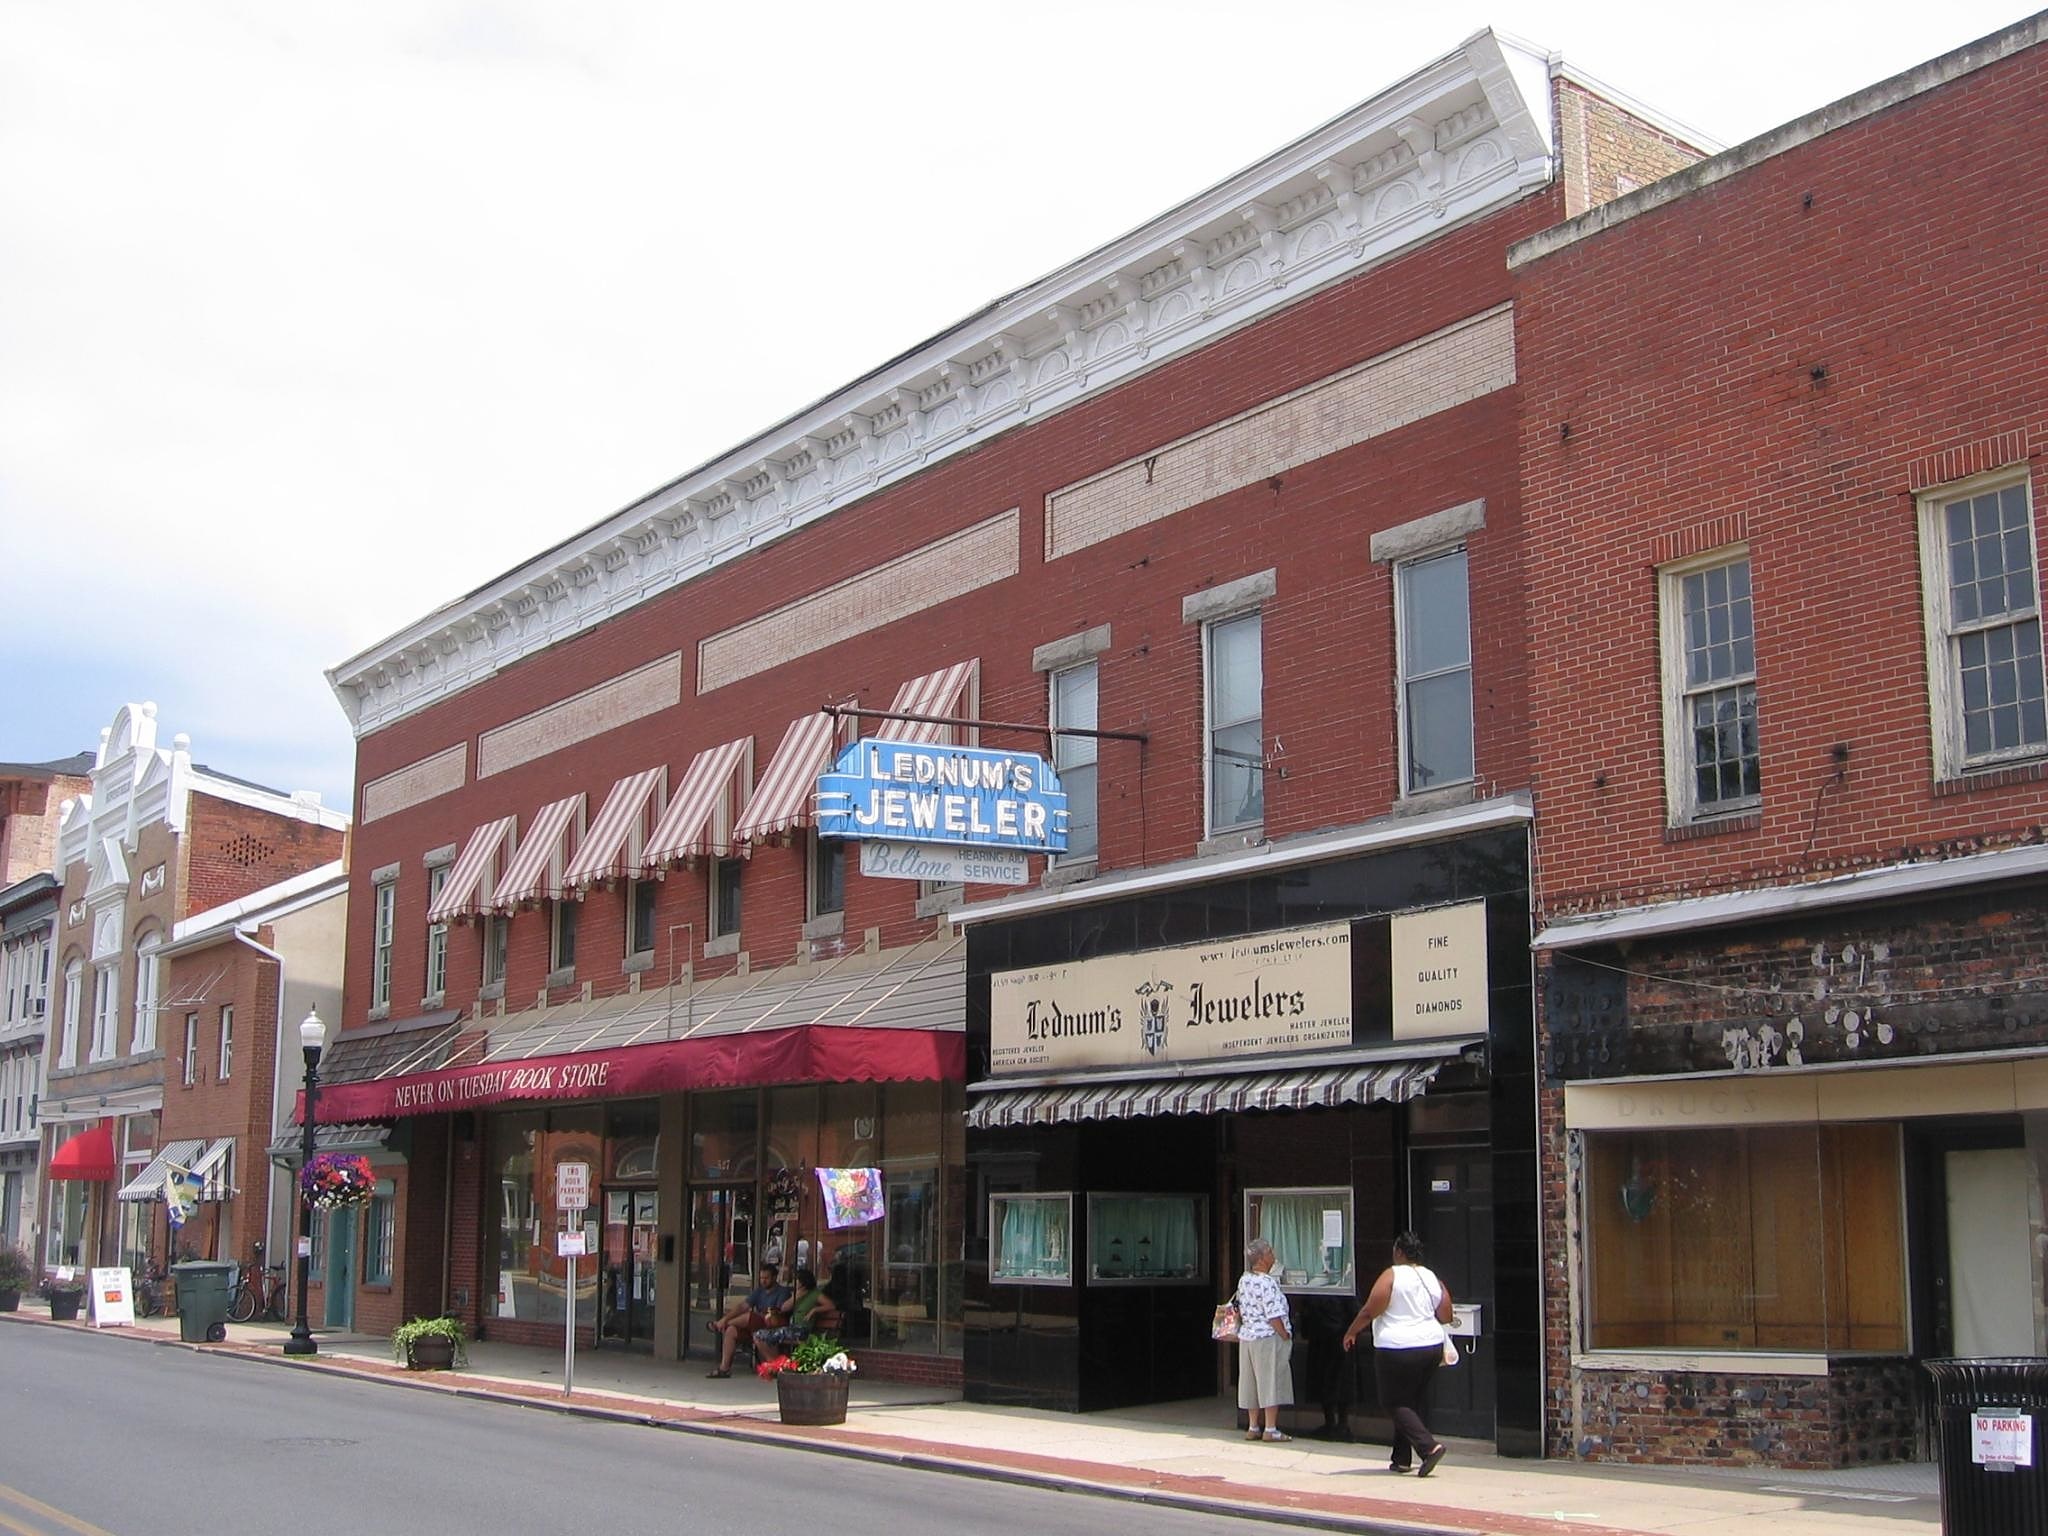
312 1036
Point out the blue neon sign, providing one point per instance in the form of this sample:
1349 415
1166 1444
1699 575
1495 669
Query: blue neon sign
970 797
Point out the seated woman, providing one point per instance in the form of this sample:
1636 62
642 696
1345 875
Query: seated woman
813 1311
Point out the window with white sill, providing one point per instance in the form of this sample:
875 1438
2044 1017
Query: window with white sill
74 1002
147 978
1712 757
1433 646
383 927
1234 721
1981 587
227 1043
1073 706
437 935
106 1009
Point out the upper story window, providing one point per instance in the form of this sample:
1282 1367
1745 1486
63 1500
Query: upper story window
640 916
1433 649
726 887
1234 707
227 1043
1074 757
74 990
828 875
147 979
191 1073
562 937
383 924
1712 761
1982 591
437 935
106 1009
497 931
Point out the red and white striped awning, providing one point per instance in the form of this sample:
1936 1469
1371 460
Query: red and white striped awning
783 797
467 892
943 692
604 853
532 873
689 829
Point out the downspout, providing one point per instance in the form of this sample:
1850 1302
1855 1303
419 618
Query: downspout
448 1215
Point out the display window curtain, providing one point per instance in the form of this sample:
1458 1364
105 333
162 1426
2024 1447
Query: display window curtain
1034 1235
1158 1236
1293 1224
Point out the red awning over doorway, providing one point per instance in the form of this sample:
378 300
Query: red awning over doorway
89 1155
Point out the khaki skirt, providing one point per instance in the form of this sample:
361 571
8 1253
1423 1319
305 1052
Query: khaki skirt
1264 1379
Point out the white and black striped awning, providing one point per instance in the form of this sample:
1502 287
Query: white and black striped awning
1293 1086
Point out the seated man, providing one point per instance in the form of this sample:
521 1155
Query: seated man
750 1312
811 1312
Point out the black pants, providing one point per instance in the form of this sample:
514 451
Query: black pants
1403 1376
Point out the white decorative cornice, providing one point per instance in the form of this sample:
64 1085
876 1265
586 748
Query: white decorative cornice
1455 139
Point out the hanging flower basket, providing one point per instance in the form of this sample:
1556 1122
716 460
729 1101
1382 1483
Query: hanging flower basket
337 1179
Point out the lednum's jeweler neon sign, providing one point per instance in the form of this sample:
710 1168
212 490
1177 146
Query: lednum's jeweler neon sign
970 797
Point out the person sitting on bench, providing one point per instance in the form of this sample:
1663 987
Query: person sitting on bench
813 1311
765 1306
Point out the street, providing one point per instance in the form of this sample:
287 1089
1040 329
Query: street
104 1435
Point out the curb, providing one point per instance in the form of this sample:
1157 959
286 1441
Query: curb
1252 1503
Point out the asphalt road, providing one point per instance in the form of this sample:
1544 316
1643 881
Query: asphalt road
103 1435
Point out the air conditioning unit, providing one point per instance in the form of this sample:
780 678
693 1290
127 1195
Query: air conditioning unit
38 1006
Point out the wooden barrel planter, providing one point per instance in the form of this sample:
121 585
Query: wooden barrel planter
819 1398
64 1305
10 1301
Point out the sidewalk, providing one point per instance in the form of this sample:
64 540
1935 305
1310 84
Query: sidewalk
1179 1453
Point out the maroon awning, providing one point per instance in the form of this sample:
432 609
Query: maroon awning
810 1053
89 1155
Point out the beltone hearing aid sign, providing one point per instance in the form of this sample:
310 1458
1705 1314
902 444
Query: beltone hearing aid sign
1266 992
1440 972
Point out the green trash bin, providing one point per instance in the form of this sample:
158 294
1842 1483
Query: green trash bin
1993 1418
205 1287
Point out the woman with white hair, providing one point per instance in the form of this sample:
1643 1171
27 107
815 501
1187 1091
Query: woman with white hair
1265 1379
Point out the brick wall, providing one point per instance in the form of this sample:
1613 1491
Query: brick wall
1679 348
1329 635
1606 151
28 823
231 851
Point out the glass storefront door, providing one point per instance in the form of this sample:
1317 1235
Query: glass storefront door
720 1258
625 1282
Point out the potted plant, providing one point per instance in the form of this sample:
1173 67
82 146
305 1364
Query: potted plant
67 1294
430 1344
811 1381
17 1274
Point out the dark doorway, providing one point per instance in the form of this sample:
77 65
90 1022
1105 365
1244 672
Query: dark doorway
1451 1195
625 1280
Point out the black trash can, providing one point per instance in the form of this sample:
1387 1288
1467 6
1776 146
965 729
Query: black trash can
1992 1415
205 1286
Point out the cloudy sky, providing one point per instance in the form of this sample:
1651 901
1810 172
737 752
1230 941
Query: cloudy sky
312 318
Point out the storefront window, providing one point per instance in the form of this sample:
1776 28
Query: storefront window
632 1146
380 1234
512 1143
1768 1238
1031 1239
1146 1238
723 1127
1310 1230
906 1303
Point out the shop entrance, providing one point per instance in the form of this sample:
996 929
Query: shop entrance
339 1266
1451 1196
625 1281
721 1258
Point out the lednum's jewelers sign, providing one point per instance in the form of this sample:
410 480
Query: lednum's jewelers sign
1253 996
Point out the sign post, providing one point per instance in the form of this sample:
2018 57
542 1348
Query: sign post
572 1196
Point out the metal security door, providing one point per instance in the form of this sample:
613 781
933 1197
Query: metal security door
1452 1201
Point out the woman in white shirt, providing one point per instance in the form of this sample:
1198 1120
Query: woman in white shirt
1265 1377
1407 1308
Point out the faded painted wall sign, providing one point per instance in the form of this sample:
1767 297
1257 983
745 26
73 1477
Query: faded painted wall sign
1265 992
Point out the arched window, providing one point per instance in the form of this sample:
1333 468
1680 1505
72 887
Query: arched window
146 978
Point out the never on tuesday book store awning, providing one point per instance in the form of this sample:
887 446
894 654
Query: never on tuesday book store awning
894 1017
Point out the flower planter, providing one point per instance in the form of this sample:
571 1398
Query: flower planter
64 1305
10 1301
430 1355
817 1398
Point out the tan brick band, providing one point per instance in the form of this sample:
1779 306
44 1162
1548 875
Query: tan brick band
627 697
416 782
938 572
1458 363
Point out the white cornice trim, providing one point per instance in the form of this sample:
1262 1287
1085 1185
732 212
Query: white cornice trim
1459 137
1313 848
1890 882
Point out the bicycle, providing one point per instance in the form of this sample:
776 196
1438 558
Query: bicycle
152 1295
258 1290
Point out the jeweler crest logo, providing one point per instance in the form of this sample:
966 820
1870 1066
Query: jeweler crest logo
1152 1015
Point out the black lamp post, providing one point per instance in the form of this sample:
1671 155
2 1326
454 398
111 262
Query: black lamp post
312 1036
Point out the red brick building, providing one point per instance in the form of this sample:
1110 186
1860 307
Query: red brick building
1239 491
155 840
1783 421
